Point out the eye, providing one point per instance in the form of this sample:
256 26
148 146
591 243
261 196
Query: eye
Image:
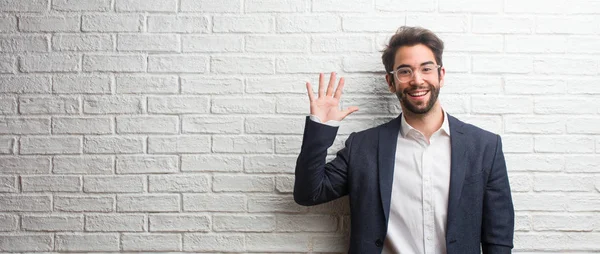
404 72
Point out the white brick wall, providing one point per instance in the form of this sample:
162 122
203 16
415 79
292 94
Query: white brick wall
174 125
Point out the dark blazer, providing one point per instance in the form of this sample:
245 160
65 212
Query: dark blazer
480 208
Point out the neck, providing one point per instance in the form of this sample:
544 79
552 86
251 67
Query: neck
427 123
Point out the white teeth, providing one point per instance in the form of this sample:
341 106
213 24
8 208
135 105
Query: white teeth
418 94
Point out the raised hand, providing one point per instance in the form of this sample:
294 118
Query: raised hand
327 106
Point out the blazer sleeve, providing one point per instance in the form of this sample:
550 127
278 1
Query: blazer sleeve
318 182
498 212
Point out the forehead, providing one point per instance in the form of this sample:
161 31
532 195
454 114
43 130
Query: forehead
413 55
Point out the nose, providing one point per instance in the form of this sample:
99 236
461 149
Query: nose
417 77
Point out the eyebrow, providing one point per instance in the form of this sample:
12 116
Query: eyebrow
406 65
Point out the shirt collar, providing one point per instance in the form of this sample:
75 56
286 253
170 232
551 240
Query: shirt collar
406 128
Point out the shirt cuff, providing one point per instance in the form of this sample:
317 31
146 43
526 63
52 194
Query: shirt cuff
332 123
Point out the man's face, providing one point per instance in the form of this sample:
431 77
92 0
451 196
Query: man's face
419 93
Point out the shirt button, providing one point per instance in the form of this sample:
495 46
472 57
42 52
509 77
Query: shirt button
378 243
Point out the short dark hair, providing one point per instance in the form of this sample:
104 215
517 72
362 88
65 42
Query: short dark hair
410 36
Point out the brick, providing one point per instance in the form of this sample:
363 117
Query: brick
517 143
581 163
179 144
306 223
472 6
114 63
151 242
293 105
50 183
558 222
343 6
243 105
331 243
81 5
115 223
179 223
520 182
23 43
408 5
539 202
114 184
316 64
211 6
8 105
8 222
25 84
308 24
264 125
243 65
362 63
439 23
534 6
562 105
537 124
563 183
177 24
87 242
83 165
210 242
25 242
6 145
82 125
270 43
582 45
52 222
50 63
243 223
148 42
534 163
136 84
264 204
50 145
140 164
81 84
49 23
112 23
472 43
566 25
214 203
84 203
275 85
502 64
8 184
8 64
284 184
27 6
583 126
276 6
113 144
535 43
277 242
178 183
386 24
503 104
201 85
534 86
177 63
242 144
269 164
370 105
82 42
571 66
148 203
329 44
146 5
583 203
25 203
112 105
147 124
178 105
8 24
207 124
242 183
211 163
49 105
502 24
25 165
243 24
564 144
211 43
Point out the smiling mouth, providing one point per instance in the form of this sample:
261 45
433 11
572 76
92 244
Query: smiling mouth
418 93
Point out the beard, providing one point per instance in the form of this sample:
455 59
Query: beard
413 108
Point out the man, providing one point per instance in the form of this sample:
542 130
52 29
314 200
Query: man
424 182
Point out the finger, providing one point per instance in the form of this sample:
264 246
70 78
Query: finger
321 85
331 84
350 110
311 96
339 89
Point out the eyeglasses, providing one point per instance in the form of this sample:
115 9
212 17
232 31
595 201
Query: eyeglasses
406 74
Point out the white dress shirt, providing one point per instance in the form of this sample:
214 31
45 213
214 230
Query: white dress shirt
419 201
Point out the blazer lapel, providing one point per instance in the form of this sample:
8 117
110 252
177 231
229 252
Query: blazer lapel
388 137
458 162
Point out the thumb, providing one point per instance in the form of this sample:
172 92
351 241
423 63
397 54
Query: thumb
350 110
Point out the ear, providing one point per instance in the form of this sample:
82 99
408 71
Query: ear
390 81
442 76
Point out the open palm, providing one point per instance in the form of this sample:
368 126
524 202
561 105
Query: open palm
327 106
